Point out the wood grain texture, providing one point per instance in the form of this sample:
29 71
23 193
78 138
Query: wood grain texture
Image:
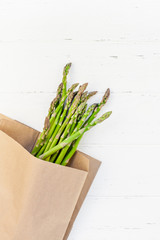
112 44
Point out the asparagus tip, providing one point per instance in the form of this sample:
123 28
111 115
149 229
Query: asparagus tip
106 96
71 89
107 115
66 68
102 118
90 94
76 84
60 86
83 87
107 93
46 123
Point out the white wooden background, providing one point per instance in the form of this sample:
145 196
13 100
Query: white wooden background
111 43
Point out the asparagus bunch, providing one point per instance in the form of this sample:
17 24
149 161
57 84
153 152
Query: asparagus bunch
67 121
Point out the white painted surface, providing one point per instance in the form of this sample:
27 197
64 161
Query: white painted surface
112 44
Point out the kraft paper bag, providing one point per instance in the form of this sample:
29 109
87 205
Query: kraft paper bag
39 200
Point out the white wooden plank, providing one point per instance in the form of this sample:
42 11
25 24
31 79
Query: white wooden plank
118 219
126 171
92 20
37 66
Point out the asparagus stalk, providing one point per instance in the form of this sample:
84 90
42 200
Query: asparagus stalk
78 118
61 145
80 123
64 80
67 158
51 109
42 136
71 89
56 100
42 149
68 128
72 120
58 125
74 136
96 111
67 121
38 144
84 96
99 107
82 113
60 106
71 152
61 125
91 94
86 114
53 137
70 113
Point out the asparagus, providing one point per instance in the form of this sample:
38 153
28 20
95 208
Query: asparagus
55 100
41 136
74 136
91 94
71 89
67 121
52 119
82 113
74 148
99 107
61 145
70 113
78 118
68 127
53 137
80 123
64 80
76 143
87 96
86 114
84 96
42 149
58 124
73 119
61 126
71 152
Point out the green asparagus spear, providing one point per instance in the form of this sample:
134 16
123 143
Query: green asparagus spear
100 105
86 114
78 118
52 119
91 94
56 100
42 136
84 96
64 80
70 113
96 110
71 89
58 125
43 146
74 136
74 148
68 127
79 125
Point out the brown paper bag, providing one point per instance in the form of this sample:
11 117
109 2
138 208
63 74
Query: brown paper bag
39 200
